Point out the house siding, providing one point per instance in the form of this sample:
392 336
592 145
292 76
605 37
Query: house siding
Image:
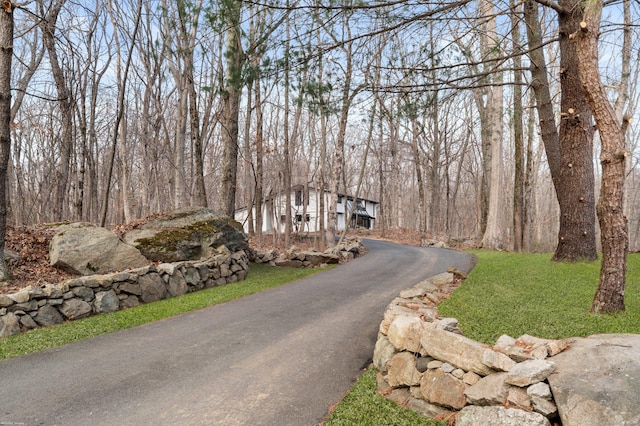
306 218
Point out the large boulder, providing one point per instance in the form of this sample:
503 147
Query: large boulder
187 234
597 380
84 249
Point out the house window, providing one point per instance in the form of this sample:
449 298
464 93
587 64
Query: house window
360 221
339 199
360 204
298 197
299 218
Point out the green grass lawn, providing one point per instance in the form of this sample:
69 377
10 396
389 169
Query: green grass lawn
261 277
514 294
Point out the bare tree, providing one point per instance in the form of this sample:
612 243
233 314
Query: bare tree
613 224
64 101
6 56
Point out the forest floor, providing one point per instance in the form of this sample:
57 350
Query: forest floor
28 252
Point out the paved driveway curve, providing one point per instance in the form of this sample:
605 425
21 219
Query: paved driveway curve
281 357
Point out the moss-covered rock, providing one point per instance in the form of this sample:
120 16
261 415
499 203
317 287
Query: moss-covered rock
187 234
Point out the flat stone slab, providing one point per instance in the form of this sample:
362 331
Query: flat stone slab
596 381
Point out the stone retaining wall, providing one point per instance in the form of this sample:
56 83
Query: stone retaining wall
347 250
96 294
426 364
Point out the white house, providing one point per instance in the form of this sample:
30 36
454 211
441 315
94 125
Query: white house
305 211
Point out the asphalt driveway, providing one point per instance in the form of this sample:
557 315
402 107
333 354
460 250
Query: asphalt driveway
281 357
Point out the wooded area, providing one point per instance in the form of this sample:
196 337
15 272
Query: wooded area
483 120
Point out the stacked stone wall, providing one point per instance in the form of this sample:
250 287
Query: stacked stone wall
76 298
425 363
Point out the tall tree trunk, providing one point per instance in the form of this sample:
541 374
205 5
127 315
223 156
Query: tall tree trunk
493 235
418 170
259 161
6 55
200 193
64 103
613 224
231 107
569 151
518 134
286 174
249 181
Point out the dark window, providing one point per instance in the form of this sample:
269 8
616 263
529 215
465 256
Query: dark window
298 197
299 218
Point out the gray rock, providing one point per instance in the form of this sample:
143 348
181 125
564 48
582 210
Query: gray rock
131 288
288 263
9 325
74 309
129 302
187 234
382 353
27 322
317 258
52 291
540 390
497 361
529 372
457 350
447 324
447 368
106 301
21 296
443 389
26 307
5 301
84 293
498 416
597 380
152 288
422 363
48 315
177 284
507 345
490 390
81 248
544 406
191 275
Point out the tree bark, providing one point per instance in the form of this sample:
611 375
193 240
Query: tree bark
493 235
231 108
613 224
518 135
569 151
6 55
64 103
